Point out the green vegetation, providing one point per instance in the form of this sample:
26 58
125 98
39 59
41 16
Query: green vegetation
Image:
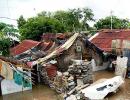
117 23
6 31
35 27
72 20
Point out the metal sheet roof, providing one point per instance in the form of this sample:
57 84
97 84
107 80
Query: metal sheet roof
23 46
104 38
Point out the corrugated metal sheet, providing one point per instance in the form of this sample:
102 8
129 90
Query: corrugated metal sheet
126 44
44 46
51 70
23 46
104 39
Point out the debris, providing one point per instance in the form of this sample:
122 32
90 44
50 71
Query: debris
82 70
100 90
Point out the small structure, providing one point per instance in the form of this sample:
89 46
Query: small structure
116 41
77 50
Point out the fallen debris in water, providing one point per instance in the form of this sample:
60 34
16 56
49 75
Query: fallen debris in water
101 89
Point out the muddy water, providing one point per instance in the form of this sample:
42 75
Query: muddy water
41 92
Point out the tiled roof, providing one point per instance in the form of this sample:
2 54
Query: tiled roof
104 39
23 46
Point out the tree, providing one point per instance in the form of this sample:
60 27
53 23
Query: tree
66 18
88 16
7 30
45 14
35 27
6 33
75 19
21 21
117 23
54 22
4 46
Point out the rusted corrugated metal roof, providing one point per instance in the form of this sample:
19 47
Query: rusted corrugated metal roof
23 46
60 36
104 39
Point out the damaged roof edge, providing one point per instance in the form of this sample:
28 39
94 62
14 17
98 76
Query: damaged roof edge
63 47
95 35
15 62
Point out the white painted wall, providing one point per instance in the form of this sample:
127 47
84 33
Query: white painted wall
9 86
98 68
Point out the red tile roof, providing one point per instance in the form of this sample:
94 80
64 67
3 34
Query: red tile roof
104 39
23 46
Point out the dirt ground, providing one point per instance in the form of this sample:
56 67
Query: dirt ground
41 92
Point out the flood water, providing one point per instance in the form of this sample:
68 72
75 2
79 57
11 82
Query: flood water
41 92
124 91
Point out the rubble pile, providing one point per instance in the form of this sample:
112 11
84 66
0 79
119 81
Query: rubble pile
82 71
78 76
82 77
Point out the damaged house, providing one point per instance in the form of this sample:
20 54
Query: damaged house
75 48
29 50
114 41
62 63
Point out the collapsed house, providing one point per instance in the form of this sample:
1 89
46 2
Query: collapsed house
29 50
